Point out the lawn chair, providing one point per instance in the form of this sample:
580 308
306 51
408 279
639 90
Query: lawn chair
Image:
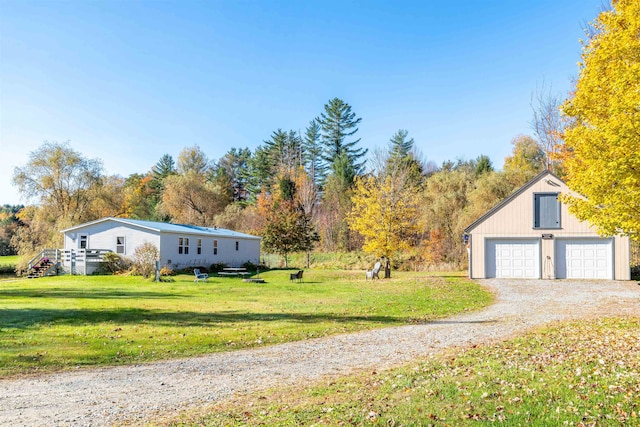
296 276
200 276
373 274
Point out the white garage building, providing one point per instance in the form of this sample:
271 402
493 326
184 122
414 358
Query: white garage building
532 235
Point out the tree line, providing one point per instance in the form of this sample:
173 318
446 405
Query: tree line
322 189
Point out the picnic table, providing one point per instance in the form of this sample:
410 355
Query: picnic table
234 271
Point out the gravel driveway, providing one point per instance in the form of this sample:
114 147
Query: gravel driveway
134 394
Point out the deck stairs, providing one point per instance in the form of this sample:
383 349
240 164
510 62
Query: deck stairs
44 264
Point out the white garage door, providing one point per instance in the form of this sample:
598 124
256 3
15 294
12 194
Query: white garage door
584 259
513 259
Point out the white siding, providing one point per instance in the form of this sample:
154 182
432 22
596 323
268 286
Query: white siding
103 236
248 251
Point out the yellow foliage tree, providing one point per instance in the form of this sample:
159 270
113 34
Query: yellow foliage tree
526 161
602 144
189 199
386 212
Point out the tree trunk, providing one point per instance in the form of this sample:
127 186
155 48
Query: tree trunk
387 268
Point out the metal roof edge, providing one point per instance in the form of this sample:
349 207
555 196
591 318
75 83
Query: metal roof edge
184 228
84 224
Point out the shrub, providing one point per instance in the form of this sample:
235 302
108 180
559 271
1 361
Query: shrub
217 267
167 271
250 266
113 263
7 268
144 260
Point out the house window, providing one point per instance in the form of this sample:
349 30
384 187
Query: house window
237 245
215 247
120 245
199 248
546 210
82 242
183 245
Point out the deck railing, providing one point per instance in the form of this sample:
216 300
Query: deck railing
52 254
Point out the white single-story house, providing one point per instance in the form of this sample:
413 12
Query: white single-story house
180 245
531 234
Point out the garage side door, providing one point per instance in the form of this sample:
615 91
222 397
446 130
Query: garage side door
584 259
519 259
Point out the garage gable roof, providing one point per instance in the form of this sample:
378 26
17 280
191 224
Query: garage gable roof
165 227
508 200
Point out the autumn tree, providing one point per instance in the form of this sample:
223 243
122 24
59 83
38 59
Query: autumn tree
9 225
336 204
63 183
444 200
602 144
190 199
386 212
59 178
240 217
107 198
142 194
287 227
193 160
488 189
527 159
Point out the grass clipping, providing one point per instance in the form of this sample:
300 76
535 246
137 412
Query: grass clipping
582 374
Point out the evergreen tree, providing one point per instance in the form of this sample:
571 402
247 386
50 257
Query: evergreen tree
165 167
233 170
402 157
483 165
313 153
259 176
339 123
401 147
161 170
285 151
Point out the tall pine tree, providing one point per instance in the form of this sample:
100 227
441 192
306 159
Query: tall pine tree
285 151
402 157
313 153
401 147
339 124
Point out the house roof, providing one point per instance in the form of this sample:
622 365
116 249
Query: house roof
506 201
165 227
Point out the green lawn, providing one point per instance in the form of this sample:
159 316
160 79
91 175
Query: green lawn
9 259
8 266
575 374
62 322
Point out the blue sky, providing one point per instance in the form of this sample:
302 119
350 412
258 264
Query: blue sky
128 81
